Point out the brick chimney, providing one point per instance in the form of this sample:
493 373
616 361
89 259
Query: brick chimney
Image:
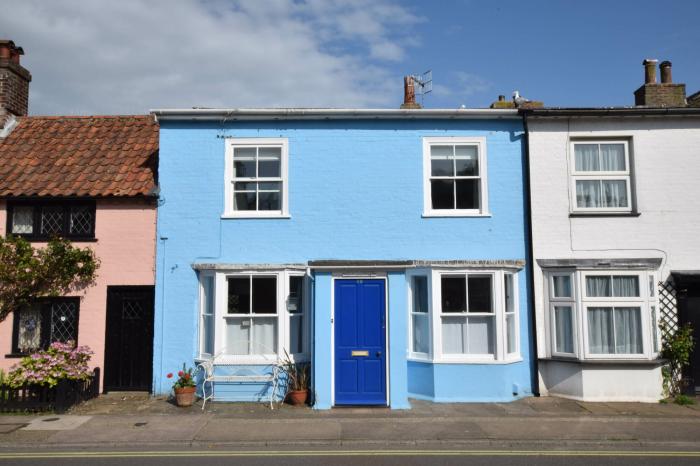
14 82
409 94
663 94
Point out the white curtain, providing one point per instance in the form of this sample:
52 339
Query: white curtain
563 320
624 286
453 335
628 330
588 193
598 286
586 156
600 330
612 157
23 220
238 336
562 286
615 193
480 335
264 335
420 333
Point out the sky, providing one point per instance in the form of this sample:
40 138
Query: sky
130 56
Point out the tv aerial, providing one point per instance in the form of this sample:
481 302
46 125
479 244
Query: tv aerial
423 83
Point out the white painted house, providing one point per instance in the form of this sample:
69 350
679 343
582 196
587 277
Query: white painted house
615 196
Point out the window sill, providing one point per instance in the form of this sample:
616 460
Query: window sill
16 355
255 216
637 362
603 214
495 362
39 239
454 214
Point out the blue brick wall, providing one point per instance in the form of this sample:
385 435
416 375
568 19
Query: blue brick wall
355 192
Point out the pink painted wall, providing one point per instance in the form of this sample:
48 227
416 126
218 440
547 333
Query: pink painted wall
126 233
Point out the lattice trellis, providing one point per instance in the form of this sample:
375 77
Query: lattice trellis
668 309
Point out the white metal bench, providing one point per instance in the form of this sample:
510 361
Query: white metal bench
242 376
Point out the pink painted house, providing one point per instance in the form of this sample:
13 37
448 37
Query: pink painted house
91 179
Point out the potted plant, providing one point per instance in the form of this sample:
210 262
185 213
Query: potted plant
184 387
297 374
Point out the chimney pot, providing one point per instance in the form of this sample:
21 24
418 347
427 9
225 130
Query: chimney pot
650 70
409 93
665 68
501 98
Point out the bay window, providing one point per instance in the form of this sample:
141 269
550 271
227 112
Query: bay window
249 316
463 316
617 316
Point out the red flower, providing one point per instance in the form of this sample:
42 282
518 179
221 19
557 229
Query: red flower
170 375
180 373
187 376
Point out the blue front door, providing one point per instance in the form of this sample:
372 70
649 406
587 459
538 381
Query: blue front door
360 342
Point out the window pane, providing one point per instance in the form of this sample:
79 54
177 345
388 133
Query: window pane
239 295
466 161
454 292
244 153
269 162
467 194
652 292
586 156
296 294
244 201
420 333
655 329
442 194
628 330
441 167
479 294
564 330
269 201
480 335
64 322
562 286
626 285
509 292
270 186
442 152
23 220
81 218
615 193
419 289
207 344
264 295
208 334
612 157
238 336
510 333
453 335
296 331
244 169
51 220
29 326
588 193
600 330
264 336
245 186
598 286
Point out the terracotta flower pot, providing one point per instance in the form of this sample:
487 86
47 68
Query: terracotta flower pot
185 396
297 397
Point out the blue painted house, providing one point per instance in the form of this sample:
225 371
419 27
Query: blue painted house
386 247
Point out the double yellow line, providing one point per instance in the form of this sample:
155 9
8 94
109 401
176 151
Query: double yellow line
296 453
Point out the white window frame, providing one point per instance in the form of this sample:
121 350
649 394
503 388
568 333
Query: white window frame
625 175
500 356
410 275
283 316
581 302
231 143
562 301
515 313
483 210
203 276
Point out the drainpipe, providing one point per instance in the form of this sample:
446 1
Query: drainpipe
531 262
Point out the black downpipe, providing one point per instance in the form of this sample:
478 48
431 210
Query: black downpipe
531 259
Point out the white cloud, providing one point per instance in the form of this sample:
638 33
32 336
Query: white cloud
127 56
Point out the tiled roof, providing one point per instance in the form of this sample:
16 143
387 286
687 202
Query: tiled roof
80 156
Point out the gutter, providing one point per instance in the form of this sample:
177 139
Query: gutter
328 114
611 111
531 261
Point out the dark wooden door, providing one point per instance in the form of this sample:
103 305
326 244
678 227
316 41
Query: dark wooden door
688 293
129 338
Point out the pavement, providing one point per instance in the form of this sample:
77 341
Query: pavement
128 420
